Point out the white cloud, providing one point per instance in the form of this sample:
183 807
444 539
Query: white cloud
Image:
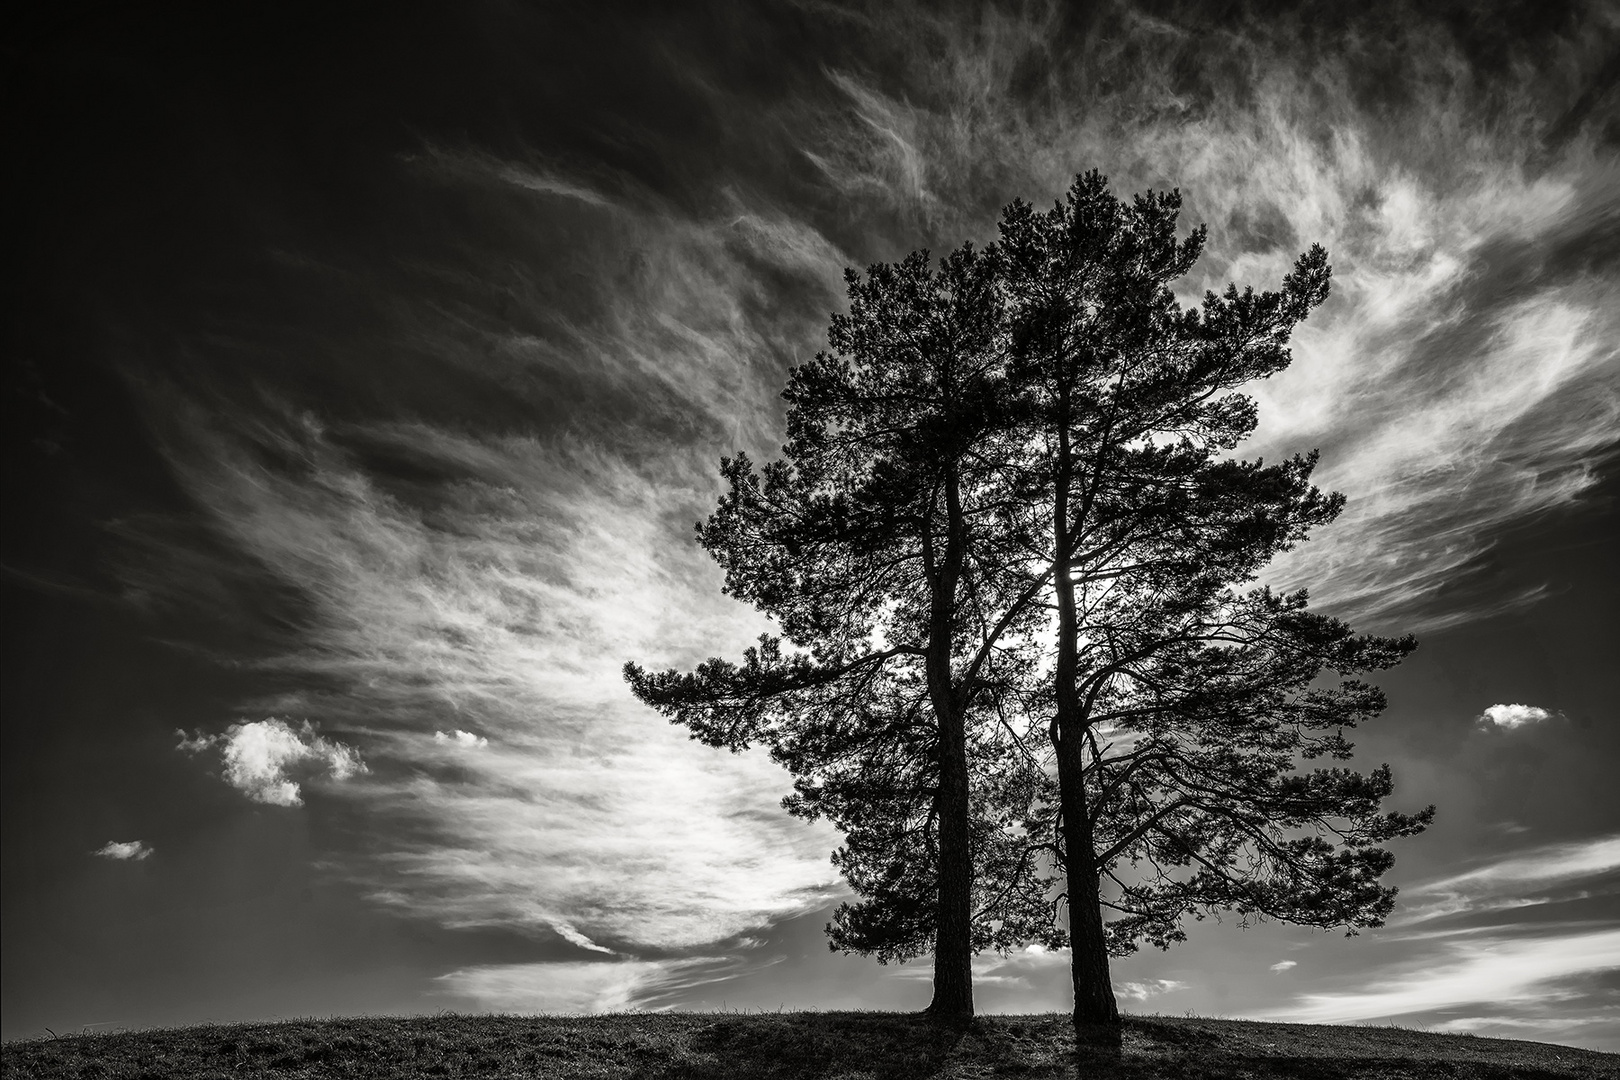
1141 991
261 757
544 838
126 850
547 184
1284 965
585 814
1454 435
1536 866
506 600
464 739
1509 717
1543 1026
461 165
1558 1021
577 987
1514 880
1509 974
1459 380
568 932
1480 969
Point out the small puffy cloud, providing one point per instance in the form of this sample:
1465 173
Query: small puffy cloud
1508 717
195 744
465 739
1284 965
124 851
267 760
1141 991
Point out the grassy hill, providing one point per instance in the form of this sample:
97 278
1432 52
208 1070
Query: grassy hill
785 1046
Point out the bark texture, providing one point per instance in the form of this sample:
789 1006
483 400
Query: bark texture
953 954
953 951
1096 1015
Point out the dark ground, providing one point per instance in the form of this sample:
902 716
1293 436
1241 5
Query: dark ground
800 1046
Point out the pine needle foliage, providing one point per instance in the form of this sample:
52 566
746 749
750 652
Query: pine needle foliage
1025 666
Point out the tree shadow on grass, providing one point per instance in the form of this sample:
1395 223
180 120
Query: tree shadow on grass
822 1046
868 1046
1156 1050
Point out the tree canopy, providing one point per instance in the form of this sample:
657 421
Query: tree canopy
871 541
1023 665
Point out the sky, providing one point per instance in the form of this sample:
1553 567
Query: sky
367 367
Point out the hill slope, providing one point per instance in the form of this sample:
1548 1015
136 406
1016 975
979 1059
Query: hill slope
785 1046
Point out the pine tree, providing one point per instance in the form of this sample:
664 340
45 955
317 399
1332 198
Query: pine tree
1023 666
1178 704
870 541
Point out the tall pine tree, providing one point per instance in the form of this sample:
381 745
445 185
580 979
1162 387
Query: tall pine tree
874 543
1178 704
1022 666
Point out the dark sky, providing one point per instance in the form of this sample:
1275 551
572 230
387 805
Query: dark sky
367 365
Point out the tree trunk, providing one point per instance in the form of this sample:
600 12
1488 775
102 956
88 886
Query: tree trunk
1096 1015
953 940
953 945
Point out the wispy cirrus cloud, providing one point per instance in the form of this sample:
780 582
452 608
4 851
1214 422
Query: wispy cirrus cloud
480 538
1466 374
579 987
514 605
1536 876
1470 959
1495 970
1551 1026
479 167
476 589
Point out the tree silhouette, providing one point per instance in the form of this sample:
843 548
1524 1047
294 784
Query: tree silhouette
873 542
1007 548
1178 705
